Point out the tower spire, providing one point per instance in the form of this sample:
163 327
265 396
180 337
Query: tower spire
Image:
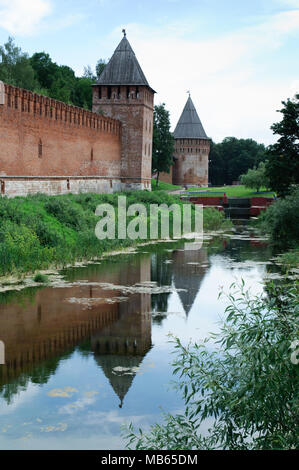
124 33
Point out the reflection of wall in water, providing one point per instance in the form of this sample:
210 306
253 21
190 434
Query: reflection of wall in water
189 276
49 325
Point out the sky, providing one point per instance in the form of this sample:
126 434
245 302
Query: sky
238 58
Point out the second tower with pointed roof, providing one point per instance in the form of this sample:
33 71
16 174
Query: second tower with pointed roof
192 148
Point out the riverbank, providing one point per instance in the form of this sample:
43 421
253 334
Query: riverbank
40 232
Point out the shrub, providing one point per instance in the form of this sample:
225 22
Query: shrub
41 278
281 220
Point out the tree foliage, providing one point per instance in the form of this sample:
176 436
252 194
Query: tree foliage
281 220
283 157
101 64
39 73
163 141
15 67
233 157
247 390
255 178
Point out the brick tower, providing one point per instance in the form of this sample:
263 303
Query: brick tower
122 92
192 148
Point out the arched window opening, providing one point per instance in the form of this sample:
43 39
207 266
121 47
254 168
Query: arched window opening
2 187
109 92
91 154
100 92
68 185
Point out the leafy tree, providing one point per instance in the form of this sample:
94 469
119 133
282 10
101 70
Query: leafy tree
282 168
88 73
232 158
163 141
82 95
46 71
247 388
255 178
15 66
101 64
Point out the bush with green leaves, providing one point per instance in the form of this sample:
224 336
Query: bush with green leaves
39 231
281 220
247 386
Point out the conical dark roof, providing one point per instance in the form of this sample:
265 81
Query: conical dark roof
189 125
122 380
123 67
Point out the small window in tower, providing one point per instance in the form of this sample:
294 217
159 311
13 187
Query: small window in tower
128 92
109 92
2 187
118 93
40 149
137 92
100 92
91 154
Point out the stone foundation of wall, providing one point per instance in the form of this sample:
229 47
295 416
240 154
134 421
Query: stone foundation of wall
53 186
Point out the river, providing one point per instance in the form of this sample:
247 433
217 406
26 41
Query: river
93 351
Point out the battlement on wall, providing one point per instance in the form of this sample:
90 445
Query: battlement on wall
20 101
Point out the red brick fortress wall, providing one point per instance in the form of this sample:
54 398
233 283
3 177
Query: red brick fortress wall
42 137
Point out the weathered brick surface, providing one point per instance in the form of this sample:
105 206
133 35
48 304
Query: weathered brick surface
42 137
133 107
191 162
167 177
49 145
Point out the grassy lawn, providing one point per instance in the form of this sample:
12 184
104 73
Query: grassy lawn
164 186
233 191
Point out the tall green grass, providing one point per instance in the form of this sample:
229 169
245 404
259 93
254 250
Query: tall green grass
40 231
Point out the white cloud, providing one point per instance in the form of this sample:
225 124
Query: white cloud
234 92
289 3
23 16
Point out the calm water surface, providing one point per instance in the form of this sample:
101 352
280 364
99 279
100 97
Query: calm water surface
93 353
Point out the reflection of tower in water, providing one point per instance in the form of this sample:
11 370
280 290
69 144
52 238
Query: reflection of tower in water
120 347
161 272
189 269
52 321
